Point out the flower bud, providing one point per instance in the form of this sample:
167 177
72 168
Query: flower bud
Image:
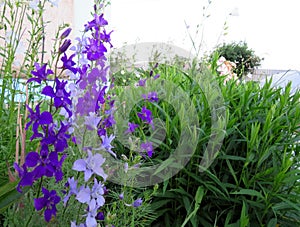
66 33
64 46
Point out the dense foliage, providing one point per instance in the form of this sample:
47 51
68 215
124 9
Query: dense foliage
238 52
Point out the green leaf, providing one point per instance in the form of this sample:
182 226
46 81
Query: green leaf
198 198
272 222
250 192
244 221
9 195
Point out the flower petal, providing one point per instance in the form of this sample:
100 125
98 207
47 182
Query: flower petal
79 165
48 91
32 159
46 118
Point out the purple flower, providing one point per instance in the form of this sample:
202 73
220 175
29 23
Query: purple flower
98 22
41 73
95 74
91 215
131 127
138 202
147 147
61 96
92 164
37 119
73 224
68 63
86 104
121 196
66 44
100 216
156 76
27 178
109 121
72 183
142 82
146 115
151 97
49 202
94 198
95 50
106 37
59 139
92 121
101 131
45 164
100 98
106 144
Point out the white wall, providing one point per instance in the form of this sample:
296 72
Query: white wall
270 27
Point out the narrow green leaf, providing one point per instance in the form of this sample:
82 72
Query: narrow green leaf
244 221
250 192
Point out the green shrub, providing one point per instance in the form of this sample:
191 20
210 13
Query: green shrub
254 181
239 53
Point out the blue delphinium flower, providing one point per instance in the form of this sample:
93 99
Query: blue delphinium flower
92 121
60 95
57 136
91 165
95 50
26 178
106 144
151 97
148 148
86 195
40 74
96 23
68 63
146 115
138 202
72 184
131 127
48 202
37 119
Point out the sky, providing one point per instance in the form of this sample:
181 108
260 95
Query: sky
269 27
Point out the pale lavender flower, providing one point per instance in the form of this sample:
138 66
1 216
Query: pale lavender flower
138 202
106 144
72 183
92 121
121 196
94 198
97 193
91 215
147 147
84 194
73 224
92 164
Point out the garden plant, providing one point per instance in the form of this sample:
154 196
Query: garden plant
160 146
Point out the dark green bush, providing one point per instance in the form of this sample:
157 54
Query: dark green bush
239 53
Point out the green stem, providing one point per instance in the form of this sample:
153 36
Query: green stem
38 195
78 214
